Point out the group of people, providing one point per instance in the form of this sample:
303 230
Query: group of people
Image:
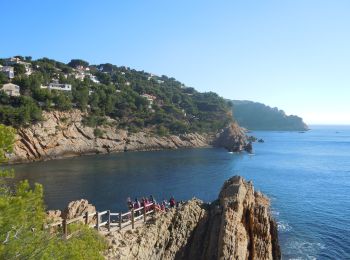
150 203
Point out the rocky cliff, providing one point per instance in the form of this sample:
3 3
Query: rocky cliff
238 225
62 134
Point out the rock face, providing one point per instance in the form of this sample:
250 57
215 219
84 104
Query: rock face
232 138
236 226
77 208
62 134
74 209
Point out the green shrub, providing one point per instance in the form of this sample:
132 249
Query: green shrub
162 131
98 133
94 121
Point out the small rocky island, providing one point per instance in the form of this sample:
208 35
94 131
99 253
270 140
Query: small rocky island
238 225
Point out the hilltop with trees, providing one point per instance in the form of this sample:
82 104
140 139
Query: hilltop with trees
135 99
257 116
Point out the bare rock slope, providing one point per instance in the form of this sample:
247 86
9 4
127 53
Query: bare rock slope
62 134
238 225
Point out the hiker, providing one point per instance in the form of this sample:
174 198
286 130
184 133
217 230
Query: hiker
172 202
136 206
166 203
151 199
129 203
146 204
157 207
162 207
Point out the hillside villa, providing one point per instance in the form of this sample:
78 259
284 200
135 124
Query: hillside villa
8 71
11 89
58 86
150 99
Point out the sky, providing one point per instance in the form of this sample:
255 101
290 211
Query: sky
291 54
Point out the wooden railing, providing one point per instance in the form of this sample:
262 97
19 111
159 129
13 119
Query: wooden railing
121 220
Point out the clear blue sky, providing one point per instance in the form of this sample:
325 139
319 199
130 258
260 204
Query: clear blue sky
293 54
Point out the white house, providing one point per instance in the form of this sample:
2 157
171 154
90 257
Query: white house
150 99
94 79
11 89
80 76
8 71
58 86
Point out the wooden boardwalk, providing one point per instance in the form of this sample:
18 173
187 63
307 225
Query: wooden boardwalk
106 221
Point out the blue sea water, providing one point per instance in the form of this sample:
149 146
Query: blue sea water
306 175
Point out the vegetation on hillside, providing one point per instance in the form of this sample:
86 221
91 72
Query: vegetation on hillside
257 116
22 217
109 90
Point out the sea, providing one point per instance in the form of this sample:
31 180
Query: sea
305 174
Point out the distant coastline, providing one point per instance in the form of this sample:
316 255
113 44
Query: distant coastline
257 116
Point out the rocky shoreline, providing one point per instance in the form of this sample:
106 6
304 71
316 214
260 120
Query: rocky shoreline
62 135
238 225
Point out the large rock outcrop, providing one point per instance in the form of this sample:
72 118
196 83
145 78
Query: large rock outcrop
233 138
62 134
238 225
74 209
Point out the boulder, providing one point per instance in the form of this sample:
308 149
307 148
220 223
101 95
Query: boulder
78 208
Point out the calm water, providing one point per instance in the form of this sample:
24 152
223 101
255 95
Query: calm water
307 176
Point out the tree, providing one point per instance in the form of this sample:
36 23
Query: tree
3 78
7 138
81 95
78 62
62 101
19 69
22 217
104 78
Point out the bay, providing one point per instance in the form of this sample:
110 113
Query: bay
306 175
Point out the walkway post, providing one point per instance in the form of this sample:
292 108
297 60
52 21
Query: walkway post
97 221
144 213
132 218
86 218
65 231
120 220
109 220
